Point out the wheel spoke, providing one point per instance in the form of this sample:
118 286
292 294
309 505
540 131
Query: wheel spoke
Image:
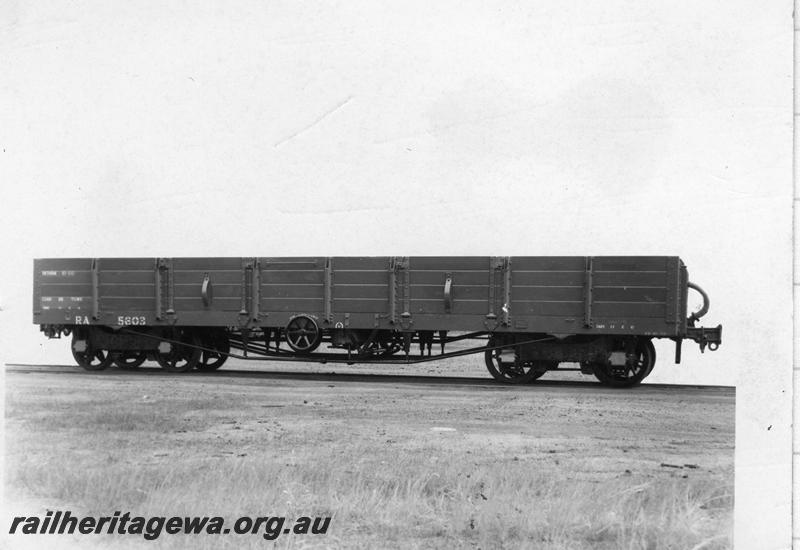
302 334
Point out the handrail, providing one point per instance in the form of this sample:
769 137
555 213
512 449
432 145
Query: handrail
703 310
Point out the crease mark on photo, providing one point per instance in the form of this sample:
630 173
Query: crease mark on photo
316 121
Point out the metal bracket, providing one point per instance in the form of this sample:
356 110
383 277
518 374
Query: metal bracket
588 298
255 284
448 292
404 266
168 267
499 266
328 290
393 290
672 296
243 309
95 289
507 292
247 278
158 268
496 264
398 269
206 291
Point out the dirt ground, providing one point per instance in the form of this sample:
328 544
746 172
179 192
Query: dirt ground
441 458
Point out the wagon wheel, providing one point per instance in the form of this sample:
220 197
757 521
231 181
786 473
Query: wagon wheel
91 358
212 360
541 367
182 356
129 360
510 372
597 369
303 334
633 372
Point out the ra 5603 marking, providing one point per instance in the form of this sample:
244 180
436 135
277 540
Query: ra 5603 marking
136 320
122 320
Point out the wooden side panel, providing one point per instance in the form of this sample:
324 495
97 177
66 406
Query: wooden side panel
469 285
186 276
548 263
547 287
292 285
532 294
126 284
629 287
62 288
360 285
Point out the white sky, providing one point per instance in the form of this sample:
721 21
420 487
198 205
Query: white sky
339 128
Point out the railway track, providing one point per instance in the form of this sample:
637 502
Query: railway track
221 376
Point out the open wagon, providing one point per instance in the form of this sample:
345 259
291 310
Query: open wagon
525 314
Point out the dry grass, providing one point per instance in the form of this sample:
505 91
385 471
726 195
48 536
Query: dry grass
384 476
